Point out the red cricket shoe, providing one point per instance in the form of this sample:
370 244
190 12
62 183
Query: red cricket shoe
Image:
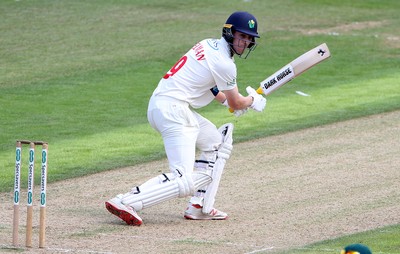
126 213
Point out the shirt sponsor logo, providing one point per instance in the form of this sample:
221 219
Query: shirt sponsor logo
232 82
213 43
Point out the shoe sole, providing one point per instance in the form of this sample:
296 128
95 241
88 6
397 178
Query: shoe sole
189 217
124 215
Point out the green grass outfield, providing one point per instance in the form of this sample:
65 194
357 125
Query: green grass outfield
78 74
383 240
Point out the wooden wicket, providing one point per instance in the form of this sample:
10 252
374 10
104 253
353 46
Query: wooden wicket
17 187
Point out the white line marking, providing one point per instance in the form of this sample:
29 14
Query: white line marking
260 250
302 94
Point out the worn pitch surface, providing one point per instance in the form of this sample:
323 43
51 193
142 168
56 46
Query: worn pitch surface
280 192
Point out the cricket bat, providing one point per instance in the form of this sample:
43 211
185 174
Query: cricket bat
294 69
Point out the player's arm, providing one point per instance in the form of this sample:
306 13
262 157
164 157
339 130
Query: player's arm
235 98
253 100
219 96
236 101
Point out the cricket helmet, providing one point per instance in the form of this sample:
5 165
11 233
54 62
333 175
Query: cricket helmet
243 22
356 248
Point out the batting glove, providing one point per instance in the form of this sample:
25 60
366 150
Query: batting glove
237 112
259 101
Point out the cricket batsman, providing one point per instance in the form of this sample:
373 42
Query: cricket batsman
206 72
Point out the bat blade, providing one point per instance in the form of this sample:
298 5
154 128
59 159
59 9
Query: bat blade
294 69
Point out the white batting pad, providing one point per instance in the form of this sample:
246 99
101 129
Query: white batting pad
162 188
223 154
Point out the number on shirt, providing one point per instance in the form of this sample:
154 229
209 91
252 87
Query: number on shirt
176 67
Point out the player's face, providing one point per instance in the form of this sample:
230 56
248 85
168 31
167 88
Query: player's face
241 41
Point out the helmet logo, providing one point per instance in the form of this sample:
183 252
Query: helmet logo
251 23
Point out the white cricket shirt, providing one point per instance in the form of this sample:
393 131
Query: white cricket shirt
206 64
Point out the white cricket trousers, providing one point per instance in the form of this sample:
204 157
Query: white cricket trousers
182 130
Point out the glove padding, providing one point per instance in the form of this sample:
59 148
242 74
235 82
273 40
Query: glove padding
259 101
237 112
225 151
